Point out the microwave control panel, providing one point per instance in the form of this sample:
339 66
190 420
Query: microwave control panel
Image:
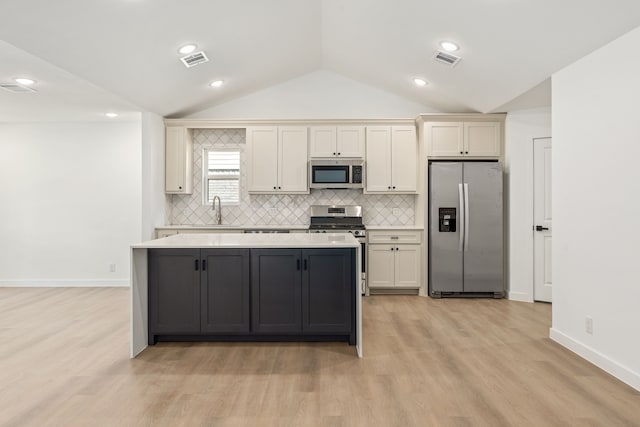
357 174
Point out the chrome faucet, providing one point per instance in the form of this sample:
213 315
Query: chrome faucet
219 211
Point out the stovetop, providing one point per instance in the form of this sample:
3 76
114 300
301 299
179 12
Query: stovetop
334 226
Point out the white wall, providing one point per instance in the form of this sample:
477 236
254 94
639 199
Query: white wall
154 201
596 183
318 95
520 129
70 202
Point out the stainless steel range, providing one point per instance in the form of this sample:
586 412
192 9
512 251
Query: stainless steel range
341 219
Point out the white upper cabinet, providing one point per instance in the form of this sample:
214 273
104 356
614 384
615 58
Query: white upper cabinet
293 171
391 159
463 139
178 161
262 157
482 139
341 141
277 159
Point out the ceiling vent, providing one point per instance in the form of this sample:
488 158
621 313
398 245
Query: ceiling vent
194 59
447 58
12 87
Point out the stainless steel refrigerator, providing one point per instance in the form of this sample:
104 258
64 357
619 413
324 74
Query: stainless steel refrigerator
465 229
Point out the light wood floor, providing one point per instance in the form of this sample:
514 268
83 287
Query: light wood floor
64 361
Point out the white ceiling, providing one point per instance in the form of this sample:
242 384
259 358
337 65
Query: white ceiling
122 54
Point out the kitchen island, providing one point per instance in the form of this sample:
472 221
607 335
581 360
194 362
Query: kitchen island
249 287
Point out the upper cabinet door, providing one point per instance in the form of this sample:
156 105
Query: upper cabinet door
262 150
404 159
444 139
322 141
378 166
292 160
482 139
350 141
178 161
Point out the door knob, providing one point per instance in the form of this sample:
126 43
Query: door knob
541 228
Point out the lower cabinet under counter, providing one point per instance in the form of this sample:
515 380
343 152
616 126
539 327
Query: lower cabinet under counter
252 294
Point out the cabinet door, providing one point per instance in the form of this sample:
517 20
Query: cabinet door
292 161
404 159
327 290
350 141
378 156
262 150
178 159
276 291
482 139
444 139
225 291
174 291
380 266
407 266
322 141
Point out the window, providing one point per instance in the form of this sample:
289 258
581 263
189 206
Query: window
222 175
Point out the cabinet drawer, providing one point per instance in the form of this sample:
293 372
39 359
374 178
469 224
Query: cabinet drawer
390 236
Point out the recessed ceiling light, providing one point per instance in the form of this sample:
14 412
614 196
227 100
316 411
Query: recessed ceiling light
111 115
419 82
216 83
25 81
449 46
187 48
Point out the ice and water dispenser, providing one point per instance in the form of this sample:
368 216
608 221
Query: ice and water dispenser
447 220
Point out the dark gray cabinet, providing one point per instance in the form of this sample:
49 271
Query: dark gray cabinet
328 298
276 291
308 291
193 291
225 291
174 291
251 294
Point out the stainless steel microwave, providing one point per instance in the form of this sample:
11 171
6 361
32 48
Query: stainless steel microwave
336 173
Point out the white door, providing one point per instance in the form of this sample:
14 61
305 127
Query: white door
292 162
380 266
542 219
322 141
482 139
175 147
444 139
350 141
407 266
404 158
262 147
378 159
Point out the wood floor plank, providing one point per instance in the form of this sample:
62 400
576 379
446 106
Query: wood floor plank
64 361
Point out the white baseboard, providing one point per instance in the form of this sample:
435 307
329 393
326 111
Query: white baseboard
519 296
71 283
603 362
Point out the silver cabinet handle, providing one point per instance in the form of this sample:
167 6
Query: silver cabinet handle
461 217
466 217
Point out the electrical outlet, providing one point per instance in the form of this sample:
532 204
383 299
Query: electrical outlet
273 211
112 268
588 325
396 211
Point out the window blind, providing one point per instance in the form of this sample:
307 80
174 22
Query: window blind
223 176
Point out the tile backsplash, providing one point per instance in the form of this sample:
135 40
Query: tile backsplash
275 209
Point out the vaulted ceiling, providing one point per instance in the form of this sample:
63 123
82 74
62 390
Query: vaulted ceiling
122 54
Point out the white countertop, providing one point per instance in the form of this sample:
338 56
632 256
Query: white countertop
233 240
394 227
233 227
277 227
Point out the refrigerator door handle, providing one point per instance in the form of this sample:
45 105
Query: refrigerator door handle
461 217
466 217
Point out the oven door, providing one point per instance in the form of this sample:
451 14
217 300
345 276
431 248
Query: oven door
330 176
